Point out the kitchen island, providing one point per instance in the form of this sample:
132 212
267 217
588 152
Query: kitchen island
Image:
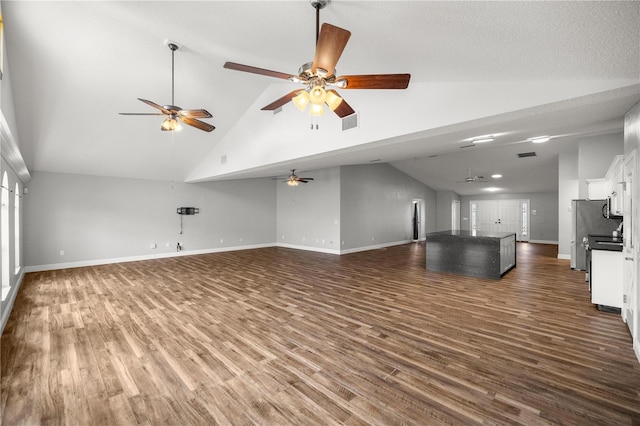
471 253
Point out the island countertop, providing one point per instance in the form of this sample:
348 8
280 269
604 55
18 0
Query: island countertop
471 234
471 253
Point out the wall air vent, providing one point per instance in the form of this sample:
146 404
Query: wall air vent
350 122
527 154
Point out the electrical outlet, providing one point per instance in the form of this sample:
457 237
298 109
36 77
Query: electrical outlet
153 245
61 252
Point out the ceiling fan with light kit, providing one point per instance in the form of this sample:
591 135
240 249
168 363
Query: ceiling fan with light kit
472 179
174 113
319 77
294 180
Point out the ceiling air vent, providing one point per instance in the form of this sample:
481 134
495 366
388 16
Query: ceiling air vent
527 154
467 146
350 122
277 110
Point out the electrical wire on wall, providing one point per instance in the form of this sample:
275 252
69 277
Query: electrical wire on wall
186 211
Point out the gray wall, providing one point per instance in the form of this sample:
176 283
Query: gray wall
443 212
99 218
595 154
375 201
543 226
308 215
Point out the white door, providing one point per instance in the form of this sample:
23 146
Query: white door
501 216
509 217
486 215
630 251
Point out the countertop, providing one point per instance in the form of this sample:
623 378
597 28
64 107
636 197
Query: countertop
471 234
605 242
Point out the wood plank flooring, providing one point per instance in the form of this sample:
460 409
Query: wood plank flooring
284 337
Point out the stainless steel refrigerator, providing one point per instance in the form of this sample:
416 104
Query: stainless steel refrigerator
587 219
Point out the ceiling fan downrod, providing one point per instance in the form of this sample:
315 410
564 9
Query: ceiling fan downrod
317 5
173 48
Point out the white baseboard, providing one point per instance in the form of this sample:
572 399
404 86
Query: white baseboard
375 247
543 242
308 248
79 264
11 299
564 256
636 349
95 262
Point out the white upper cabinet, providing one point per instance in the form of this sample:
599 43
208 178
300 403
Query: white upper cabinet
615 185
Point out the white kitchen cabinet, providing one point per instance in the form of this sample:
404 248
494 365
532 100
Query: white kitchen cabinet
598 189
606 278
614 179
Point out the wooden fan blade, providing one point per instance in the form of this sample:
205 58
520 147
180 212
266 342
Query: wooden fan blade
197 123
140 113
279 102
256 70
195 113
331 42
344 109
156 106
376 81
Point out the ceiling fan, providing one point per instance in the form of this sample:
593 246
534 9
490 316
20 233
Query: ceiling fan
294 180
472 179
173 112
319 76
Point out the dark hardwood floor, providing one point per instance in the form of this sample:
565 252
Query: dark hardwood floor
278 336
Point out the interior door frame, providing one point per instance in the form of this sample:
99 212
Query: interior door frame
421 219
630 246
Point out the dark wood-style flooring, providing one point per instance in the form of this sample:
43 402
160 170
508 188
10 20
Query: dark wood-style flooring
284 337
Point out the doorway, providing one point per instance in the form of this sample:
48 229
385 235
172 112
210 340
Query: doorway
416 220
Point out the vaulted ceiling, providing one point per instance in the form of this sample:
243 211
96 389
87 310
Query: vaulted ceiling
511 69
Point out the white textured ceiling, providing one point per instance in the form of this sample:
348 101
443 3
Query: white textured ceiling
74 65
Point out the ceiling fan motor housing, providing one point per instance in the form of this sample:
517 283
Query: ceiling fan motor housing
318 4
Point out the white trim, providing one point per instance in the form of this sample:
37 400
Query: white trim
9 304
636 349
375 247
11 152
543 242
308 248
564 256
79 264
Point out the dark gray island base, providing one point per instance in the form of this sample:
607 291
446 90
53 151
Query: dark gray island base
471 253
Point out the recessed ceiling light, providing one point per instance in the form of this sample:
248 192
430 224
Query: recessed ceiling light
492 189
496 176
483 139
539 139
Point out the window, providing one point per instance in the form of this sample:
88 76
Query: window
4 230
16 233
